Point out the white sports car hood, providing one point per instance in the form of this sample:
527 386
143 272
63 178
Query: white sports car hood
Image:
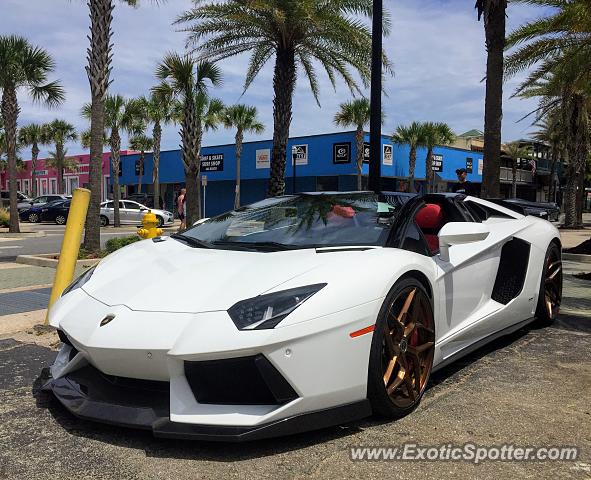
171 277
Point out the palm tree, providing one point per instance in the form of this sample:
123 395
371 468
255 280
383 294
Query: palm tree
300 35
22 67
121 115
67 163
413 135
159 109
494 14
142 143
551 132
245 120
59 132
355 113
33 135
436 134
190 81
516 152
100 55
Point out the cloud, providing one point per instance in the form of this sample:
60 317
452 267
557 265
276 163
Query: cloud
437 47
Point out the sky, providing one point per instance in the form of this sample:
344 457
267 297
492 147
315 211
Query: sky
437 47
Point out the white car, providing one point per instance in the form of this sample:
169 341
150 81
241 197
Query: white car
298 312
132 213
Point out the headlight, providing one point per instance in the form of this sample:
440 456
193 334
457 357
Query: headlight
266 311
79 282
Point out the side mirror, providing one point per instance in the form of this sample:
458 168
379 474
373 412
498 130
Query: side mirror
460 233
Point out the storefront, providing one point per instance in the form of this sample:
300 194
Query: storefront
323 163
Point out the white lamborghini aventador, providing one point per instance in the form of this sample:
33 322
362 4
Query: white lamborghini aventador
298 312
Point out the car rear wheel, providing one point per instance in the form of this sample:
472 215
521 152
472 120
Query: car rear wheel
33 217
550 295
104 221
60 220
402 350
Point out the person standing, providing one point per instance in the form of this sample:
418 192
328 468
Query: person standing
463 186
180 208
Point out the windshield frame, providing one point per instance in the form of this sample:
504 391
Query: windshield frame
383 240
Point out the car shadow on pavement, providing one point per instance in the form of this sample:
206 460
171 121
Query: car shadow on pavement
229 452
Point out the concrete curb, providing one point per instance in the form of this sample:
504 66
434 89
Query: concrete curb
50 262
17 236
574 257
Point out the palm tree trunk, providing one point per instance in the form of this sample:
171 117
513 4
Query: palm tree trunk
157 136
60 160
429 169
115 144
34 157
359 137
10 111
98 71
141 172
239 140
191 136
284 80
495 26
552 186
514 178
412 165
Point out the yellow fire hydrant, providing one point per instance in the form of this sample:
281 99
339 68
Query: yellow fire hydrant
150 227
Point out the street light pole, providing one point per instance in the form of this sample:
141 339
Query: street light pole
376 99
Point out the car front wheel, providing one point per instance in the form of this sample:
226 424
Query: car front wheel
402 350
160 221
33 217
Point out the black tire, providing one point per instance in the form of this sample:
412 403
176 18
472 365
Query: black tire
61 220
160 221
104 221
34 218
550 294
382 402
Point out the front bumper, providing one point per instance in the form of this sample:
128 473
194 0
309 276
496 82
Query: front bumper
90 395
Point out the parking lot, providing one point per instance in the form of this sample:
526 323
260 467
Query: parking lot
529 389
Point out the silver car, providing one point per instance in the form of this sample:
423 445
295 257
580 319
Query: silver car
132 213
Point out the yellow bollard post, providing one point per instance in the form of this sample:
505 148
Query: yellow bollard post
66 266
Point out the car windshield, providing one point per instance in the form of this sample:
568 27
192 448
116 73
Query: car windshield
302 221
54 203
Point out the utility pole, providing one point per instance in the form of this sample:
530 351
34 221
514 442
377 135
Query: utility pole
376 99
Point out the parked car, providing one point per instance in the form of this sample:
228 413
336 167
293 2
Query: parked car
5 199
546 210
132 213
39 201
298 313
44 213
56 211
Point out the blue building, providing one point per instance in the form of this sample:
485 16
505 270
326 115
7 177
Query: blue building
325 162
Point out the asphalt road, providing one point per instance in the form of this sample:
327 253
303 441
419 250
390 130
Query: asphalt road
531 389
51 242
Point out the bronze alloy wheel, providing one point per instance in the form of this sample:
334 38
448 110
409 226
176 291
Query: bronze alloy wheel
408 347
402 350
553 284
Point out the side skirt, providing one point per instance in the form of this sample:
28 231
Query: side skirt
480 343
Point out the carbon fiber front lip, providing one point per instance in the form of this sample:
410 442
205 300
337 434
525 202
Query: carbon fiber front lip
126 412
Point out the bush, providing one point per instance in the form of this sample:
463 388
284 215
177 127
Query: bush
117 243
4 217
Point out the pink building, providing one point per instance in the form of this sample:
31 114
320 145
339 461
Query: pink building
46 177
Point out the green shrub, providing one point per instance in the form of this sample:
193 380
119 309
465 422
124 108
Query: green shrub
117 243
4 217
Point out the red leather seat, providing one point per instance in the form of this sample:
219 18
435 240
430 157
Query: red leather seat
430 220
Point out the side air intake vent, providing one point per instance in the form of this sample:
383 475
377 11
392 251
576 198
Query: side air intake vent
512 271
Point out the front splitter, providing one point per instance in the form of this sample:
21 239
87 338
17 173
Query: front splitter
131 407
